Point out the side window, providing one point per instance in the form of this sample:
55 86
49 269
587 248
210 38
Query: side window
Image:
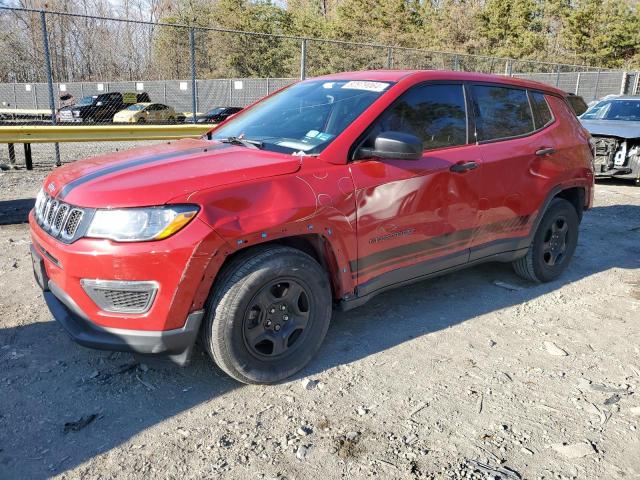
434 113
543 115
501 112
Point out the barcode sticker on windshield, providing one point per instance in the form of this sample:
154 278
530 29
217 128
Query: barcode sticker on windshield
366 85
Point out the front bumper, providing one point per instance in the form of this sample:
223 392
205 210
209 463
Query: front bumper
177 343
177 264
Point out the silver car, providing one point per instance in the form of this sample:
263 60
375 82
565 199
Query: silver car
614 124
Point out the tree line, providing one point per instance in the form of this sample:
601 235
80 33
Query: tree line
599 33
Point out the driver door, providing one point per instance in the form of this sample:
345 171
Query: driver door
415 217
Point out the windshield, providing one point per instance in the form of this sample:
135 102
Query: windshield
136 106
84 101
215 111
305 117
628 110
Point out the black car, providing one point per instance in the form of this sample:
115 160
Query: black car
99 108
217 115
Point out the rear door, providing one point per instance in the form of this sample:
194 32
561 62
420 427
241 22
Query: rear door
513 141
417 216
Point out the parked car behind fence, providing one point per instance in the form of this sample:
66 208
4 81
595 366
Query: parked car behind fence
99 108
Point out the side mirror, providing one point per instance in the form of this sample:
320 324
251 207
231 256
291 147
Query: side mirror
394 145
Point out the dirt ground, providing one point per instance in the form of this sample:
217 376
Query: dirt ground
456 377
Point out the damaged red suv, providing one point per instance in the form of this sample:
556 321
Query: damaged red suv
324 194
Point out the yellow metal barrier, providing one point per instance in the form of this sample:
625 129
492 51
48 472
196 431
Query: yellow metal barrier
98 133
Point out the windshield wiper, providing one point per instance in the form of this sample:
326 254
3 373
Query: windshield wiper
245 142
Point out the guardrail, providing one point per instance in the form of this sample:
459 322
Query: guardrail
28 134
98 133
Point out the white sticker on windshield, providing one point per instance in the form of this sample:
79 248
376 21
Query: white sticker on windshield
366 85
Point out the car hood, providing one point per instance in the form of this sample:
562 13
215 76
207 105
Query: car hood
155 175
126 114
614 128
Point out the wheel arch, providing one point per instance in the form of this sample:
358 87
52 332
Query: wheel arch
317 246
327 252
576 197
574 194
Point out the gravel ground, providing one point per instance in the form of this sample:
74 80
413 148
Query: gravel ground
456 377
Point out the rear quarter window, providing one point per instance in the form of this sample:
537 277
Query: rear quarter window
543 115
501 112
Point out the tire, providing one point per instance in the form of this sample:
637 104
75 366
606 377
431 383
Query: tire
267 314
141 120
171 120
551 249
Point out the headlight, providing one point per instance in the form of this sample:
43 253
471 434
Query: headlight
140 224
39 200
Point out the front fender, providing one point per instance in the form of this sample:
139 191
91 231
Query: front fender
319 201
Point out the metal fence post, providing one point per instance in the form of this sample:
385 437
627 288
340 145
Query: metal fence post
15 96
577 84
47 62
303 59
508 68
623 83
635 90
595 90
557 76
194 98
456 63
389 58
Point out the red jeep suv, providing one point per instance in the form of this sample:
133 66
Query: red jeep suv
325 193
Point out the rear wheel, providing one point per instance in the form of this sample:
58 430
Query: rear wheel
141 120
267 314
553 244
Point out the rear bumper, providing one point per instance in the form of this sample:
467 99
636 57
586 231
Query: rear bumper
177 342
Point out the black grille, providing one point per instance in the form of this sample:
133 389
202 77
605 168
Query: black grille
120 295
58 219
126 300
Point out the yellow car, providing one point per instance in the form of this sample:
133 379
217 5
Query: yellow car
146 112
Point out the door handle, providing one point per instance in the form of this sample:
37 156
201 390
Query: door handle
545 151
463 166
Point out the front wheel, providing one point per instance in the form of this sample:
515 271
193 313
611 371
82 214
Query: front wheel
553 244
267 314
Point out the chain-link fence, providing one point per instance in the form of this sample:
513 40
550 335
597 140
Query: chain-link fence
60 67
192 69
